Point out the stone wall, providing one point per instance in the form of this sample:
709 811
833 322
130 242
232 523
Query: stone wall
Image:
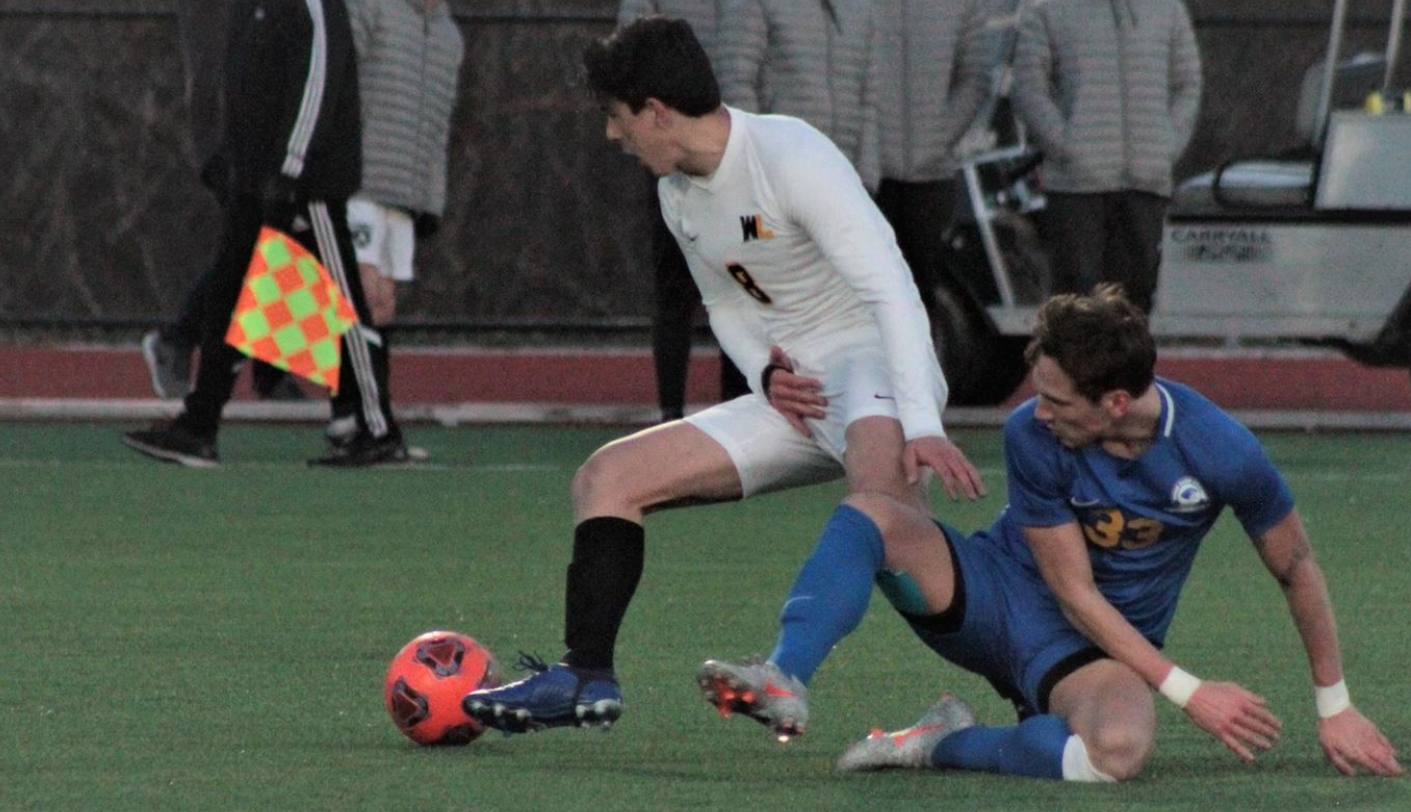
102 219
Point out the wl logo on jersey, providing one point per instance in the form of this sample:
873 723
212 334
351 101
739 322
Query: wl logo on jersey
754 228
1108 528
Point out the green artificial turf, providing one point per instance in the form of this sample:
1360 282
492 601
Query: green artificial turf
216 640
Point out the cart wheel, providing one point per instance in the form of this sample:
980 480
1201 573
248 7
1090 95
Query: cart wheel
982 367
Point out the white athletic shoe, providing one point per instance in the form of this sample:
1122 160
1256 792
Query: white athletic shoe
910 748
760 691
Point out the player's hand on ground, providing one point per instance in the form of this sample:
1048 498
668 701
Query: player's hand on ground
1352 742
958 475
794 396
1239 719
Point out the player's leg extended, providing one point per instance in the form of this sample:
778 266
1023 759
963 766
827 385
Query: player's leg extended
948 737
870 536
668 465
664 466
921 580
1099 728
883 520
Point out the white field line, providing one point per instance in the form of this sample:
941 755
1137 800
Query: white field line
458 414
993 473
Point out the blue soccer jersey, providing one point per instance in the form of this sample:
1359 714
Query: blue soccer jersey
1143 519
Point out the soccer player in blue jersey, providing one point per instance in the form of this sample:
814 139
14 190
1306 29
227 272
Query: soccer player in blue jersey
1115 477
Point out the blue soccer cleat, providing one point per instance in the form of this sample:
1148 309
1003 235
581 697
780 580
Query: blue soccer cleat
557 696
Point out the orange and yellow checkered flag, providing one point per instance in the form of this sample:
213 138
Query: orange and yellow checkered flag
291 313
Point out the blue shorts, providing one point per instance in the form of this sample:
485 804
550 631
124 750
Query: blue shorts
1005 625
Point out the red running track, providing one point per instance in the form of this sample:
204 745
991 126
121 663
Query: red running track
1295 380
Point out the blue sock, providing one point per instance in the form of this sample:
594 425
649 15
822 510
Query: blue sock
1033 748
831 593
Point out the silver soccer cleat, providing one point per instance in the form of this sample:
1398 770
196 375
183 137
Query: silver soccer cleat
760 691
909 748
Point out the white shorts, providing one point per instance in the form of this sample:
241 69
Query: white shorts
770 455
384 237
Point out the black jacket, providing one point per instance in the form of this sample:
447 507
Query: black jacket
292 121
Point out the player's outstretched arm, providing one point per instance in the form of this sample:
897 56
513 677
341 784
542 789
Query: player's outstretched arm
1350 740
958 475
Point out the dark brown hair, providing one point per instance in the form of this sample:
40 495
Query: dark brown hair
1101 341
652 57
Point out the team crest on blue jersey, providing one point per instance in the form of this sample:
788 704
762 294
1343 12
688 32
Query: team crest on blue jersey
1188 496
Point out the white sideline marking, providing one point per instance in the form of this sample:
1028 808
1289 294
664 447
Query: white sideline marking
458 414
1330 475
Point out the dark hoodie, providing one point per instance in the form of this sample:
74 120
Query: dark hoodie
292 121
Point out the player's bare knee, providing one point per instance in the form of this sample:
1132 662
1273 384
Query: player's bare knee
884 510
599 480
611 481
1119 750
903 528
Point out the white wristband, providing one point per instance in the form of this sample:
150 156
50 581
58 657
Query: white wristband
1179 686
1332 700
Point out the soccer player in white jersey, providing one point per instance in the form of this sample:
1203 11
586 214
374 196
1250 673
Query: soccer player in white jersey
808 294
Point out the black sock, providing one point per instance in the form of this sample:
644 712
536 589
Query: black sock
607 564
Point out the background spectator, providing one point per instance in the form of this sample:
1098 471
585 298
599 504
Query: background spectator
202 28
292 146
409 58
1109 90
812 59
933 79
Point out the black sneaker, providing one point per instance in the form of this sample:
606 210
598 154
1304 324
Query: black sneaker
168 364
342 431
366 451
173 442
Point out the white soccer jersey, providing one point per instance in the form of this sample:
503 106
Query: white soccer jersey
788 249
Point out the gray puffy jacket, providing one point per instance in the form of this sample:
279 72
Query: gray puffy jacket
408 65
811 59
1109 90
934 76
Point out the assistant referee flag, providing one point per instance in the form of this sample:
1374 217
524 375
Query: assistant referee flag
291 313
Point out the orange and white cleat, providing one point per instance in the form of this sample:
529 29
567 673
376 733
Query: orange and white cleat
912 747
759 690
